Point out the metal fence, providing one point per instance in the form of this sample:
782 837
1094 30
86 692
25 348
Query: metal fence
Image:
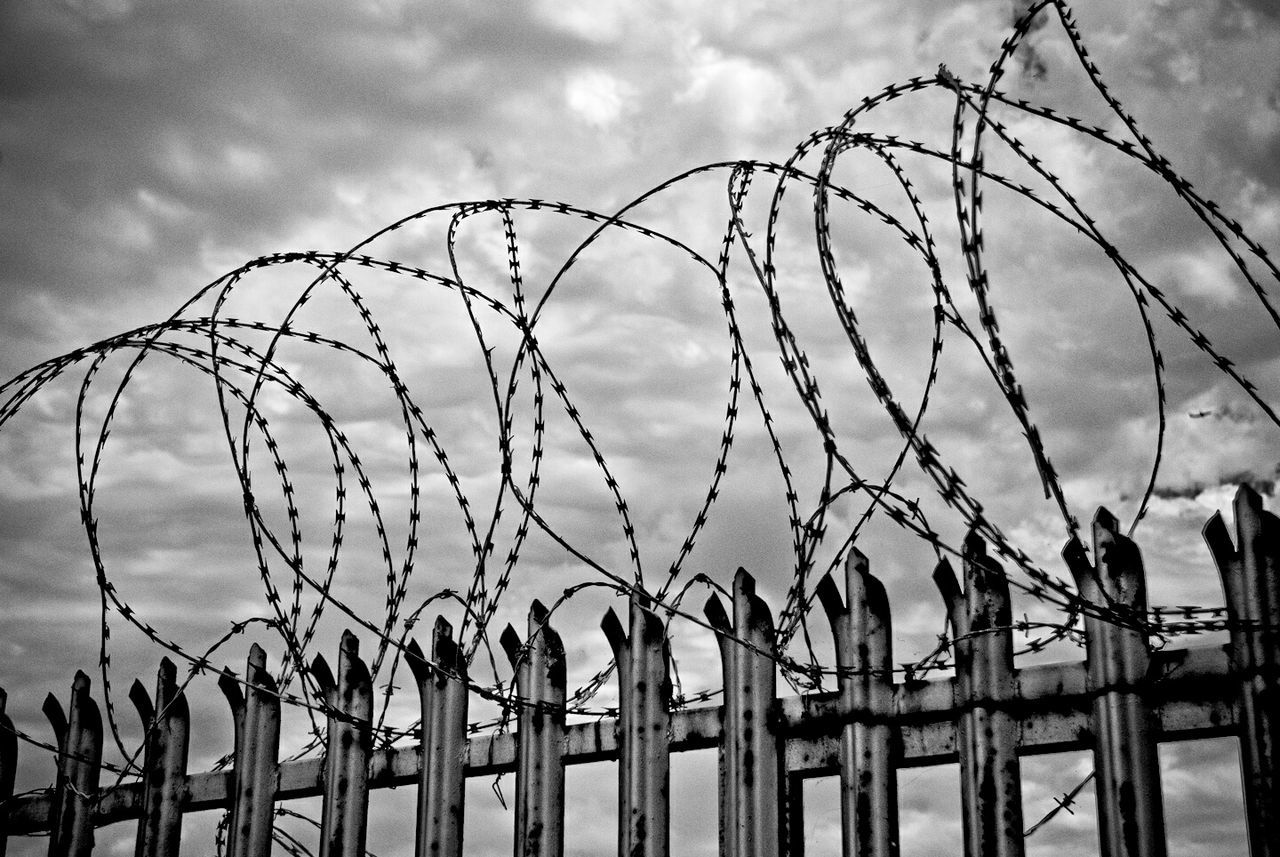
1120 702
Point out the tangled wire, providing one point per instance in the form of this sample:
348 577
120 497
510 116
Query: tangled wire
243 359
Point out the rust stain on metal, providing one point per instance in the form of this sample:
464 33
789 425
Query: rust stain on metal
349 699
642 730
257 728
749 759
868 740
540 682
1250 572
985 686
442 691
79 734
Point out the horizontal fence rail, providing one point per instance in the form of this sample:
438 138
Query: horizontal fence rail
1120 702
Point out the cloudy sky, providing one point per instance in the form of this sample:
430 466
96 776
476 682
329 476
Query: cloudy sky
147 149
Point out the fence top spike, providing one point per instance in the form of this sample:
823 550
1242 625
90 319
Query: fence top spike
257 658
755 613
263 680
1251 517
975 546
350 644
1106 533
829 594
80 684
952 596
1247 497
986 592
1082 571
444 650
322 674
84 710
1218 538
413 652
716 615
417 662
353 673
1105 521
985 583
857 561
230 687
744 583
864 585
1118 564
510 642
640 598
56 716
614 632
650 624
142 702
1227 558
1074 553
461 666
169 696
543 636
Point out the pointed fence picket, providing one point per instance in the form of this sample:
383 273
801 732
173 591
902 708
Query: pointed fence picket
442 690
868 747
540 685
1120 702
168 724
644 698
986 727
1130 815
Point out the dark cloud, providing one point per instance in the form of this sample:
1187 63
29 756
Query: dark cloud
139 138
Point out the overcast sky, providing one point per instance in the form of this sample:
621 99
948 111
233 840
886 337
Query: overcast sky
146 149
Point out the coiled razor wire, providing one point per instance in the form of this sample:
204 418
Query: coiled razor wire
242 369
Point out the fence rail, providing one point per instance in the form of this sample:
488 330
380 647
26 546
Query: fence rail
1120 702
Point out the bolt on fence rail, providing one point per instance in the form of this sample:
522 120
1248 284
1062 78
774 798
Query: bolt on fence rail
1120 703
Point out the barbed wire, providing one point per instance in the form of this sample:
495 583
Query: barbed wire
532 387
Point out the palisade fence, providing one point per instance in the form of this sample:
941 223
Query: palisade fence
1124 698
1120 702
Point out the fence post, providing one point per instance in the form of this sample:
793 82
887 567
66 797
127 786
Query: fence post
349 700
863 634
749 758
540 686
1125 759
1251 577
644 690
168 729
257 730
8 765
986 730
79 734
442 691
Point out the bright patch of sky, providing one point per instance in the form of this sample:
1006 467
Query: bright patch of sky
599 97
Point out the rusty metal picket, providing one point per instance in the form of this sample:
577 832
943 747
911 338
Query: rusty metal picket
168 724
1120 702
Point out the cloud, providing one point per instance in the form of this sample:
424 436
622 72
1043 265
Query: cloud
227 117
598 97
748 97
146 148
